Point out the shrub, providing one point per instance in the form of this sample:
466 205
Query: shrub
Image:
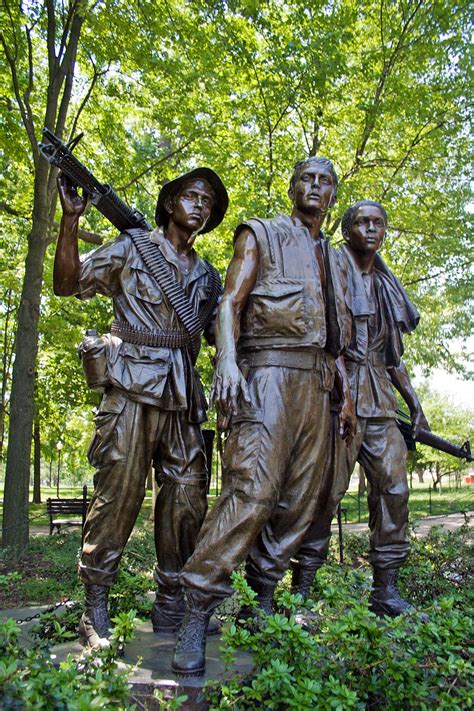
346 657
31 679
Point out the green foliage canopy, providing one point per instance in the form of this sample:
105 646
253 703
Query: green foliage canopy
247 88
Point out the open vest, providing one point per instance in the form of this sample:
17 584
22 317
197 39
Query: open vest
287 307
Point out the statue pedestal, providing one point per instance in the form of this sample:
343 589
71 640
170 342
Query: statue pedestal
154 652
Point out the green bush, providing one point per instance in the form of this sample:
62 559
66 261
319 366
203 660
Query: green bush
31 679
346 657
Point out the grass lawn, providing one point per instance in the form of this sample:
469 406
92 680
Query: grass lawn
423 502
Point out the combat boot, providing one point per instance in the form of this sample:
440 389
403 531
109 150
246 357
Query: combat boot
189 658
264 590
385 598
302 579
167 615
94 625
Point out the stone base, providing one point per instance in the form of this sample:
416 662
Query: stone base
153 652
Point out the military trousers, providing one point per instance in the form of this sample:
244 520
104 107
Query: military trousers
270 483
129 436
380 449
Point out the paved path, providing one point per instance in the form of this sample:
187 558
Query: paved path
447 521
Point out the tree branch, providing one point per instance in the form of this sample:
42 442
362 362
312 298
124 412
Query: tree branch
84 235
461 265
12 211
153 165
420 136
87 96
29 126
29 89
51 36
387 68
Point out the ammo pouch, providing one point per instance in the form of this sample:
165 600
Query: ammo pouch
93 353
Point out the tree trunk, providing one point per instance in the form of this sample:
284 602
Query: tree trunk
6 363
17 474
36 463
62 49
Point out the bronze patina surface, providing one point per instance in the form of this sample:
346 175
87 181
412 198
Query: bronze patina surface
275 368
153 401
382 313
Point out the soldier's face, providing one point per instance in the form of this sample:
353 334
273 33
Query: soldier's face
192 206
314 189
367 230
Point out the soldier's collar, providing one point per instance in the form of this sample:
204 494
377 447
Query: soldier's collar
168 251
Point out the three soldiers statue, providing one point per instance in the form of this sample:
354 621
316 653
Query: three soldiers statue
309 344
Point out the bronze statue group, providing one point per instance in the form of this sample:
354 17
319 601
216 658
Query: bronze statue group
309 347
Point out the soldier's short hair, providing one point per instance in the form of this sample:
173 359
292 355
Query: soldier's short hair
350 213
301 165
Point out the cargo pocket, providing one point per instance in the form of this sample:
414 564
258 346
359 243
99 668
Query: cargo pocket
242 450
108 444
277 310
142 285
141 370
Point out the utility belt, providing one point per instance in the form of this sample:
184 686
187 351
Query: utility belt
94 349
179 338
309 359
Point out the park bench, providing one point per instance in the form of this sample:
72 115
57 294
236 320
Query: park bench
58 509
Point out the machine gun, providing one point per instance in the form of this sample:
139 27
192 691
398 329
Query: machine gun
101 195
432 440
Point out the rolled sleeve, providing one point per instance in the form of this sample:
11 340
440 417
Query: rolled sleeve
100 269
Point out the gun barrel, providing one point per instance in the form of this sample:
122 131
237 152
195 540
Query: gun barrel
102 195
432 440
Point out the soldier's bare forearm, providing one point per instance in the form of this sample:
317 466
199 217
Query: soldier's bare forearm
347 417
342 379
66 260
227 329
401 381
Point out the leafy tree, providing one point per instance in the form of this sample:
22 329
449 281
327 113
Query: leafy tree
247 88
450 421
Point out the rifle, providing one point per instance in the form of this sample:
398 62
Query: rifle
102 195
432 440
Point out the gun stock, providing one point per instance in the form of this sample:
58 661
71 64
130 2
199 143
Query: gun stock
432 440
102 195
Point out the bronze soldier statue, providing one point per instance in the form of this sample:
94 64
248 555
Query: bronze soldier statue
382 313
153 401
282 322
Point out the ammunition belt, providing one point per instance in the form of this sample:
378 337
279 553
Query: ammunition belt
145 337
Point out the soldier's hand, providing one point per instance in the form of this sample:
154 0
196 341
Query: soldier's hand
347 421
228 385
71 202
418 422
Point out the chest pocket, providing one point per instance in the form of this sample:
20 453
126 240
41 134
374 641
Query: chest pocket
276 310
142 285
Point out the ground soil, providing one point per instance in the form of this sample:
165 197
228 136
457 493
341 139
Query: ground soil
31 566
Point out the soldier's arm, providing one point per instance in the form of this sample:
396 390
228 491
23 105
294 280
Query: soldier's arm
66 260
347 417
240 280
401 381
